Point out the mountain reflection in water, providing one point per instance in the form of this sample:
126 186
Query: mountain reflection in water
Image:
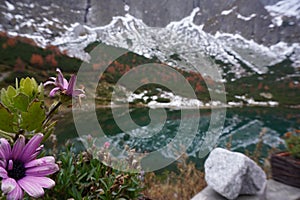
242 128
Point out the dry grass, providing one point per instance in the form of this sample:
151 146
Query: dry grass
257 153
182 185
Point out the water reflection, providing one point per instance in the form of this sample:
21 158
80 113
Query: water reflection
242 128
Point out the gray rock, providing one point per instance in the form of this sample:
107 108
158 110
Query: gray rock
209 194
79 30
274 191
231 174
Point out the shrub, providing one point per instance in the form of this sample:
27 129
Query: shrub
292 141
36 60
84 177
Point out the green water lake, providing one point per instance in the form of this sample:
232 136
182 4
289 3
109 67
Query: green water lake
242 127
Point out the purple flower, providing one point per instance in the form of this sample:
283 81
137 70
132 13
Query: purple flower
20 170
62 85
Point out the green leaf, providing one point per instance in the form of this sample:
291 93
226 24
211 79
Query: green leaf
105 185
34 117
11 92
6 122
26 87
34 84
131 189
21 102
17 84
4 99
49 130
41 92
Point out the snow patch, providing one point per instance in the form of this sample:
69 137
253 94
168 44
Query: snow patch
227 12
126 8
9 6
251 102
239 16
288 8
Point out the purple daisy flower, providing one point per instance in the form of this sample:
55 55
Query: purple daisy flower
20 170
64 86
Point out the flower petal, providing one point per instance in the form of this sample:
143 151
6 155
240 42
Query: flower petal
49 83
3 173
40 162
43 170
44 182
78 92
53 91
31 147
16 194
36 153
31 186
66 84
60 80
18 147
8 185
60 76
5 149
71 85
3 162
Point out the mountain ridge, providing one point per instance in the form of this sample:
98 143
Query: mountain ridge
237 37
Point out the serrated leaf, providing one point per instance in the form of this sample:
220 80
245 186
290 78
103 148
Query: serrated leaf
34 117
21 102
6 122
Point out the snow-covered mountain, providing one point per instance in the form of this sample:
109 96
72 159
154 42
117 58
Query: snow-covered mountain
284 9
247 36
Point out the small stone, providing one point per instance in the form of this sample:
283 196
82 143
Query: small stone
231 174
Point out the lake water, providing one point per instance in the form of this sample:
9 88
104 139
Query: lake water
242 127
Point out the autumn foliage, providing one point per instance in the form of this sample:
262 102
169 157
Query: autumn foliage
11 42
50 59
36 60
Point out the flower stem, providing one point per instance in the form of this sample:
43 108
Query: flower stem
7 135
49 115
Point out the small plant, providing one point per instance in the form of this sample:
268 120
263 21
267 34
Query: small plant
84 177
292 141
24 126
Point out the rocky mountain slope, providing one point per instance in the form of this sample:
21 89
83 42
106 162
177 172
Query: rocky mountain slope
252 19
266 23
243 38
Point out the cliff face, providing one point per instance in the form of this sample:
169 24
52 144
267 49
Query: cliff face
247 18
154 13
